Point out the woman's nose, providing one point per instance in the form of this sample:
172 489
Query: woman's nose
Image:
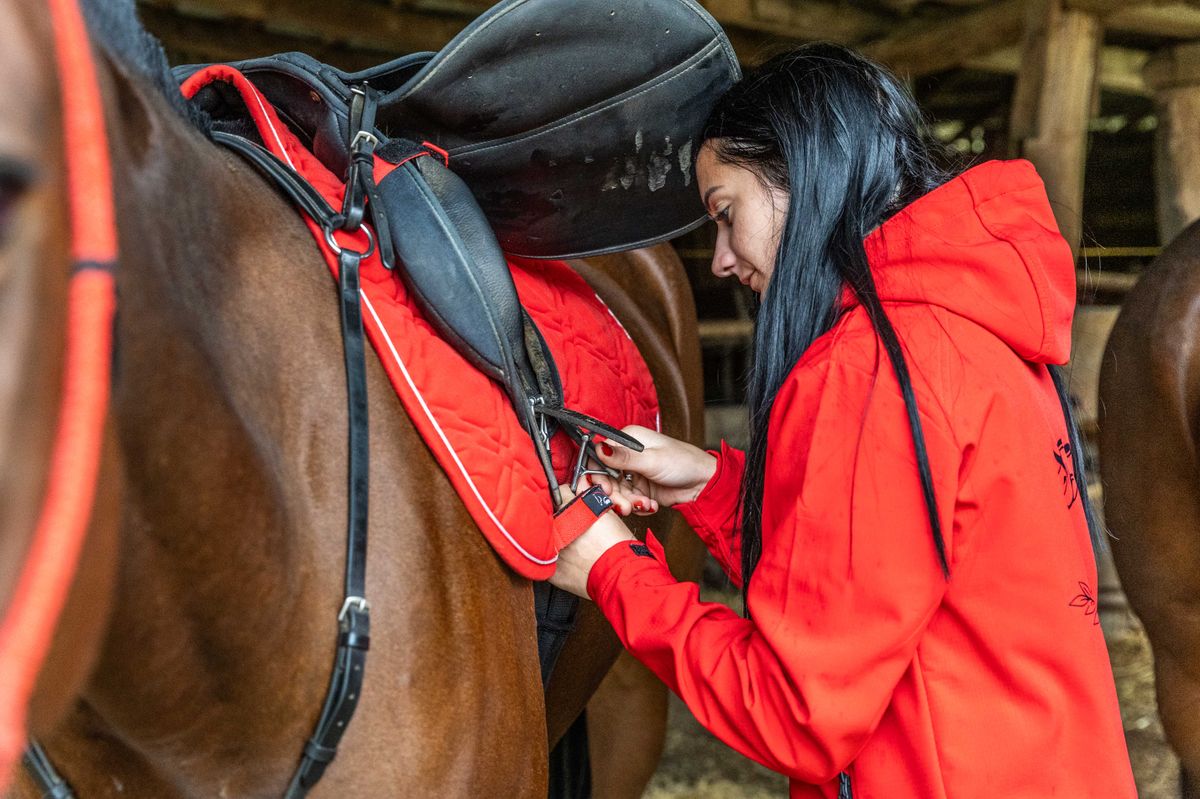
723 261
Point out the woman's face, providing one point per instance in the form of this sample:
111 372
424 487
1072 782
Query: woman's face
749 217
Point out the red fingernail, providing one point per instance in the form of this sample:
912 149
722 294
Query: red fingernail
607 450
588 477
638 506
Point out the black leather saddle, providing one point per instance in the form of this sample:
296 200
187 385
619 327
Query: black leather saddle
573 122
569 126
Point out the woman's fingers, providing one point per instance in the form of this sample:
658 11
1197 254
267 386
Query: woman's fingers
627 498
621 503
620 457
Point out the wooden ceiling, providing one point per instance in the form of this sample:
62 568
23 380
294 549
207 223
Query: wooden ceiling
961 56
914 37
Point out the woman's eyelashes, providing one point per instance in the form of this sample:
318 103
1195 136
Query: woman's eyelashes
721 216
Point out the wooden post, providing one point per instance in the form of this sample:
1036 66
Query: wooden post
1174 76
1053 104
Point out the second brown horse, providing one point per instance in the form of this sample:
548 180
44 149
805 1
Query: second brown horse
1150 462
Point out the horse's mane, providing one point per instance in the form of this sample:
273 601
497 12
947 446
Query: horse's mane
115 26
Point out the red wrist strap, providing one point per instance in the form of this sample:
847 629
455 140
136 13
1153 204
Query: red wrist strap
578 515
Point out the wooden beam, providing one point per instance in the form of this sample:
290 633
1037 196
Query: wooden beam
469 8
1120 68
1174 75
1069 49
1023 111
1176 21
920 48
1171 19
807 21
370 26
195 40
1103 8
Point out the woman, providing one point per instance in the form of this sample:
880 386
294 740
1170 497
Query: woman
910 522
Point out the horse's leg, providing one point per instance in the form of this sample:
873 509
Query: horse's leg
1189 788
627 717
648 290
627 727
1178 693
1150 402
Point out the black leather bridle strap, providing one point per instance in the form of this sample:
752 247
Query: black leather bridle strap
354 620
298 190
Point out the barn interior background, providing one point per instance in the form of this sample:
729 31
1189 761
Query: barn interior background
1102 95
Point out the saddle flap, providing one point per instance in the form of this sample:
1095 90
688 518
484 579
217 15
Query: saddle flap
454 267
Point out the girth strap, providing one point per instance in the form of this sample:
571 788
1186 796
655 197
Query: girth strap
354 620
554 609
362 195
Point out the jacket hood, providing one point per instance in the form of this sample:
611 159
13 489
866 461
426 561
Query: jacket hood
984 246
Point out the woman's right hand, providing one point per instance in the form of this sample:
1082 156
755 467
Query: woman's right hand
667 472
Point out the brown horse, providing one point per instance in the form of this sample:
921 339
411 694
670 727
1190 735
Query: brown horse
199 634
1149 445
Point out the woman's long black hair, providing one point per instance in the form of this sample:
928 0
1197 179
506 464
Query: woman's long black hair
846 141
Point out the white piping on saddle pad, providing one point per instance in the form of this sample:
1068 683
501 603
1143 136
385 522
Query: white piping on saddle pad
458 463
267 117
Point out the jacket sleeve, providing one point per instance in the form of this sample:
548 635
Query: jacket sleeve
845 588
713 513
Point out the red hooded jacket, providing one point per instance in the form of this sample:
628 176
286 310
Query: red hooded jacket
862 659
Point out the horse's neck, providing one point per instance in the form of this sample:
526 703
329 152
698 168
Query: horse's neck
227 371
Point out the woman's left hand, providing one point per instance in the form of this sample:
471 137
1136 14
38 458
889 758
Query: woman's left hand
575 561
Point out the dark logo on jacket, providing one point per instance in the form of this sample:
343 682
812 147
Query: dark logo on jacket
1064 457
1086 599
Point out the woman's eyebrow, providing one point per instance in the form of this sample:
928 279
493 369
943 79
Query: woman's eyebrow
708 194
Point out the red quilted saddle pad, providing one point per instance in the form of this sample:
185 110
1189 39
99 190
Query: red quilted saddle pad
464 417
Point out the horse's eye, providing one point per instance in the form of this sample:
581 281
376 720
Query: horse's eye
15 179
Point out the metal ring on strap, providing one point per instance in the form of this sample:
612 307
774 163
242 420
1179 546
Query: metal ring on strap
337 248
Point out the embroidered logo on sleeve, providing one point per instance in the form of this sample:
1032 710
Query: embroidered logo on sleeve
1064 457
641 550
1086 599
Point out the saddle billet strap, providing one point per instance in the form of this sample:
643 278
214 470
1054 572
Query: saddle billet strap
49 781
361 147
592 425
354 620
362 195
